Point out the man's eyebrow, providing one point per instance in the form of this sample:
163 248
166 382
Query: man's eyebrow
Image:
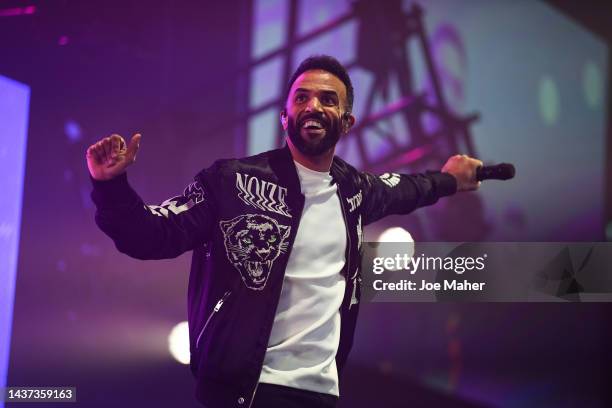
325 91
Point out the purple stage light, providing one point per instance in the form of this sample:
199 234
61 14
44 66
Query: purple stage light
72 130
17 11
14 112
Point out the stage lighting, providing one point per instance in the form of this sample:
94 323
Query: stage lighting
395 234
399 241
178 343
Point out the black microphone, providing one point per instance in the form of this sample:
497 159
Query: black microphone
502 171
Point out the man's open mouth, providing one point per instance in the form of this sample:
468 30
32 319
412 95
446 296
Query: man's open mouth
313 126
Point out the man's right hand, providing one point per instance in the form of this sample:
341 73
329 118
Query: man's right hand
109 157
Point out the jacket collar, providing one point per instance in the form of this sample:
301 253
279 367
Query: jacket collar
282 165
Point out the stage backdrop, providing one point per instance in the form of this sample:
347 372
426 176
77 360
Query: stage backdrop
536 78
14 108
520 81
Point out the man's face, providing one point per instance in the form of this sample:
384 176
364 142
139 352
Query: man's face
313 112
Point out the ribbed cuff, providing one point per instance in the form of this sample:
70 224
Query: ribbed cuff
110 185
112 193
446 184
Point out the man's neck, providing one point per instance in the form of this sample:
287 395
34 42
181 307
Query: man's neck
321 162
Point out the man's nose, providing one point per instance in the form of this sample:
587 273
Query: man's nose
314 105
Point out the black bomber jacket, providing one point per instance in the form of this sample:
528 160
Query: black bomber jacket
240 217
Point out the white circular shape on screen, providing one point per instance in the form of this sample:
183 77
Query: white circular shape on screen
549 101
178 343
395 234
399 242
592 84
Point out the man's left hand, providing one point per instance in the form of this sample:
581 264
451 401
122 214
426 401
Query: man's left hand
464 170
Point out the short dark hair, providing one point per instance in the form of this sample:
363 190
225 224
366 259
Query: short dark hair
329 64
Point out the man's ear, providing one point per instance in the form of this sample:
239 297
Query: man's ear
348 120
283 119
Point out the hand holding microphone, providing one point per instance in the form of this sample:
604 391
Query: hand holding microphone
501 171
470 172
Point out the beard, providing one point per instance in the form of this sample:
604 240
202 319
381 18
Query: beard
313 147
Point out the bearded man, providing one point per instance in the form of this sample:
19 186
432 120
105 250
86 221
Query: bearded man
274 287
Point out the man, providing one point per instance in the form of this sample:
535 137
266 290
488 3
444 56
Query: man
274 285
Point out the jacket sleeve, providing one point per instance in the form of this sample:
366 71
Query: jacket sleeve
393 193
142 231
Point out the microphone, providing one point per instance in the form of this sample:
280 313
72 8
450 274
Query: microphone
502 171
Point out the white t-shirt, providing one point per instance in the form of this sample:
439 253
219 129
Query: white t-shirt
306 332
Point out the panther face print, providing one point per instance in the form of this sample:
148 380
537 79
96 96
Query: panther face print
252 243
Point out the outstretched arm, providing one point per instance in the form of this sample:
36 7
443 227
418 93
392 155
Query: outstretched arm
144 231
393 193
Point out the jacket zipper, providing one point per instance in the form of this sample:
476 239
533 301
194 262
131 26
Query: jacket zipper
215 310
253 396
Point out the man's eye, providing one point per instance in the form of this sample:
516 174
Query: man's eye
328 100
300 98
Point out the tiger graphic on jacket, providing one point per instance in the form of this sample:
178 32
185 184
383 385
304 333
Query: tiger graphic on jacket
252 243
